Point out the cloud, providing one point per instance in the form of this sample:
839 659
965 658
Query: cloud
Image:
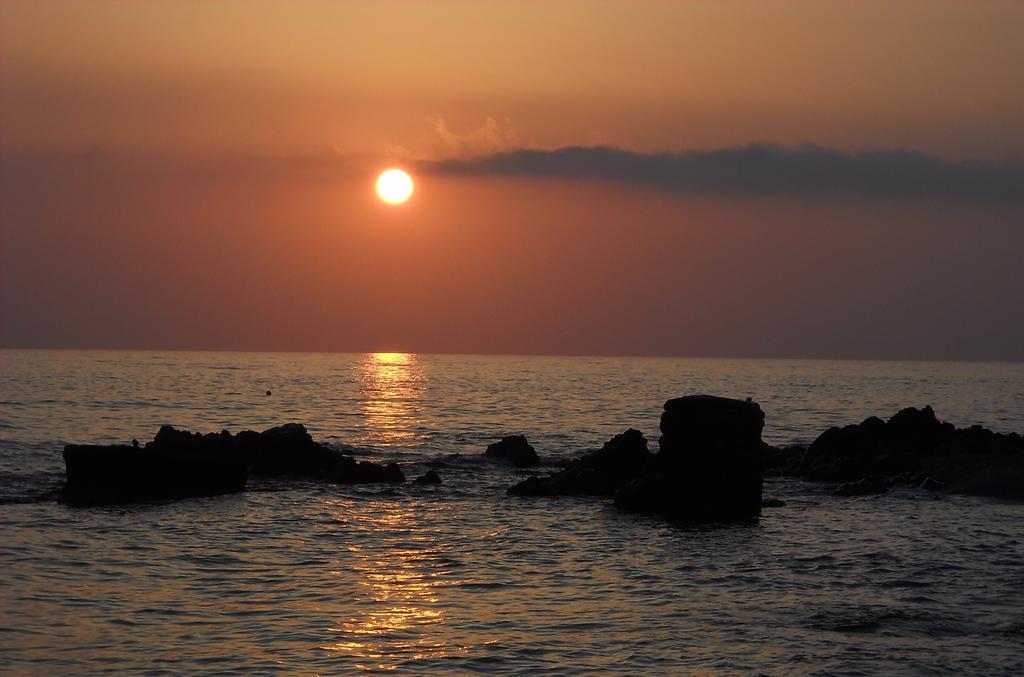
492 137
762 170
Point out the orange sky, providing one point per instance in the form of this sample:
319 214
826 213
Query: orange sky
370 77
199 175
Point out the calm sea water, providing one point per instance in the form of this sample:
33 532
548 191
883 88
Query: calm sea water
308 578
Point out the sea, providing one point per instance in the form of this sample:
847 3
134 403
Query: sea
312 578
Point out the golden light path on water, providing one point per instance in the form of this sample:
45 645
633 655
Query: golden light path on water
399 603
398 606
392 385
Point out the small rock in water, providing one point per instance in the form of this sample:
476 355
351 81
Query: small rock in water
350 471
514 448
429 477
773 503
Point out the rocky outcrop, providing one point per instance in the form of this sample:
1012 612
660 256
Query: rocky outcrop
912 448
514 449
288 449
179 464
123 474
709 464
600 473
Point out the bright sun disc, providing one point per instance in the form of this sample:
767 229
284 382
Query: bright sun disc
394 186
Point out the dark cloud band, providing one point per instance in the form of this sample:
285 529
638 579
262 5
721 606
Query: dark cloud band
764 170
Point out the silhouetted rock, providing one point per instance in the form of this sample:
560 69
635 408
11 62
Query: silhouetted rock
124 474
782 461
708 468
350 471
286 450
773 503
429 477
514 449
867 486
599 473
178 464
913 447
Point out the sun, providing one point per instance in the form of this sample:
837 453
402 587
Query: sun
394 186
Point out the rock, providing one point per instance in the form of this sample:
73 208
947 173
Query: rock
708 467
931 484
600 473
514 449
913 444
178 464
350 471
782 461
867 486
773 503
429 477
286 450
127 474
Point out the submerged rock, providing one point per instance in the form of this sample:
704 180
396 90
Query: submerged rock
600 473
515 449
708 467
429 477
179 464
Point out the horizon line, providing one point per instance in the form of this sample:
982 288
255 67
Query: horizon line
966 360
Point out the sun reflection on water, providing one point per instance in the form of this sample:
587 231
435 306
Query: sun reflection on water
392 389
398 614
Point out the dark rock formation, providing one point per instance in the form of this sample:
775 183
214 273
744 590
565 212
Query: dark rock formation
911 447
601 473
124 474
429 477
708 468
514 449
347 470
286 450
178 464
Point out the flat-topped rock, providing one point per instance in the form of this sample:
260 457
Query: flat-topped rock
702 420
709 464
102 474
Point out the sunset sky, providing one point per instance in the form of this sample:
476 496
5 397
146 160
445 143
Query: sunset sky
729 178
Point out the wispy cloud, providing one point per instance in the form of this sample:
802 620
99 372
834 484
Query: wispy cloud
763 170
442 142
